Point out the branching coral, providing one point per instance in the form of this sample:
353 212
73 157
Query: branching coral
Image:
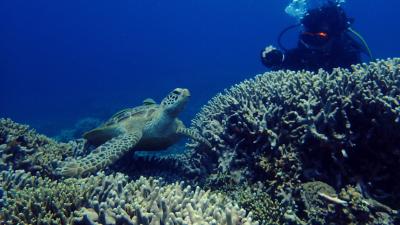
305 136
112 199
35 200
149 201
23 148
341 128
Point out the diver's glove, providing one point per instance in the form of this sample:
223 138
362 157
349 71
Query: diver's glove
272 57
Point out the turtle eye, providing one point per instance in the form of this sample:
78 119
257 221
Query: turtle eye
176 92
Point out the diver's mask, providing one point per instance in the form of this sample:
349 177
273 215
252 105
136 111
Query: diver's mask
315 40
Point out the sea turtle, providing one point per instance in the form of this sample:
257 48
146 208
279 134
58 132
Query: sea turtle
149 127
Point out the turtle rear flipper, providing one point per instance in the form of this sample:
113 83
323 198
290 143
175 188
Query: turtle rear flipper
101 157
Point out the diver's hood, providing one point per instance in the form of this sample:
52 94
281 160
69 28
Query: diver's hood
330 19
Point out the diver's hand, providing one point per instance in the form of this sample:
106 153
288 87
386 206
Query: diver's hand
271 56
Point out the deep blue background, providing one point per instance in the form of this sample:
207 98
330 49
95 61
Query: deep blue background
61 61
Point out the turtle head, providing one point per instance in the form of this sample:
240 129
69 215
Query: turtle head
175 101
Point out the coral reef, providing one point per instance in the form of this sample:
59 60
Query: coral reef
317 209
340 119
324 206
38 200
149 201
287 148
255 198
23 148
287 128
112 199
28 196
363 210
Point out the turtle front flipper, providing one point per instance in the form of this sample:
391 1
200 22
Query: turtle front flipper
194 135
101 157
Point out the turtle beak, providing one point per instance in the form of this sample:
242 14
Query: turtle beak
182 92
185 92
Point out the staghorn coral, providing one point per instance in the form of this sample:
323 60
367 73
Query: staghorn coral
23 148
112 199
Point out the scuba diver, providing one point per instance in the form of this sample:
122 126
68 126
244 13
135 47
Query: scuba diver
326 41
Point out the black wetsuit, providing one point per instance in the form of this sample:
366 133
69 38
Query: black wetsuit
343 52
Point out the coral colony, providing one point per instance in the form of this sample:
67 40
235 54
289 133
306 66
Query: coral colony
286 148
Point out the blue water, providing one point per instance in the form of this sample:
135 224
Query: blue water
61 61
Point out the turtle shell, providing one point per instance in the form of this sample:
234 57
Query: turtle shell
116 124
